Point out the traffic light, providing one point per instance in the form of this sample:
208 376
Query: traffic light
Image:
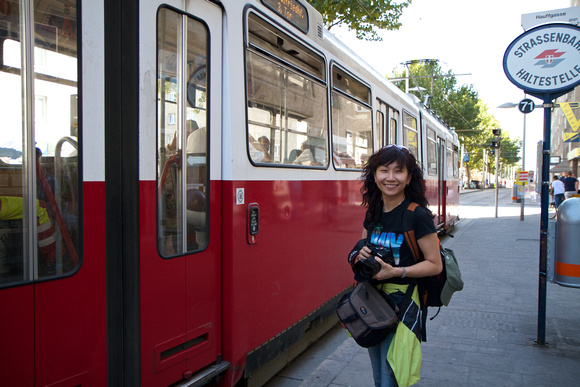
492 151
495 143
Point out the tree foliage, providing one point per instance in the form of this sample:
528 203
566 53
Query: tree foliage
461 108
478 141
456 105
362 16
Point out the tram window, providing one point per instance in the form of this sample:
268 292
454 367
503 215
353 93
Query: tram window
182 134
351 86
390 117
393 129
351 132
267 38
381 128
410 135
449 157
39 174
352 138
456 161
431 152
286 109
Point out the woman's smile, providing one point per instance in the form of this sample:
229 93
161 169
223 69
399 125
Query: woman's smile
392 179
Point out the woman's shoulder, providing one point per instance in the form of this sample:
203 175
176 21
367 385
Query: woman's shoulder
418 209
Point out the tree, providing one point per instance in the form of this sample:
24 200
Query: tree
362 16
475 141
461 108
458 106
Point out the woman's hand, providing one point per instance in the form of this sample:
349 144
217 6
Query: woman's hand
387 271
364 253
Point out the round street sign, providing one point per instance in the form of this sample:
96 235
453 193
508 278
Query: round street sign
545 59
526 106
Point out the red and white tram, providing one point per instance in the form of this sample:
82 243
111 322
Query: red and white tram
179 186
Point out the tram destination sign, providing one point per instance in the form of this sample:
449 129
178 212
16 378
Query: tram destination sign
545 59
291 10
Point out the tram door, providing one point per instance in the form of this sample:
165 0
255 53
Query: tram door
440 180
52 316
181 246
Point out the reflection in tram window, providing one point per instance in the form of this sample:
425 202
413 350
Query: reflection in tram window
39 175
431 152
393 127
182 134
410 137
449 160
287 111
352 125
456 162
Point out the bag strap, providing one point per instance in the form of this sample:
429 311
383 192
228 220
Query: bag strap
408 297
409 232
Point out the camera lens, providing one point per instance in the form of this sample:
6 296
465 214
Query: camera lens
365 269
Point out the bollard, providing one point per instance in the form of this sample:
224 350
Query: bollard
567 265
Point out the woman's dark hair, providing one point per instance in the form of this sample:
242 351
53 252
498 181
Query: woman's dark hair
372 195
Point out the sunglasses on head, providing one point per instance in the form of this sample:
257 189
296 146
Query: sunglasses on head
401 147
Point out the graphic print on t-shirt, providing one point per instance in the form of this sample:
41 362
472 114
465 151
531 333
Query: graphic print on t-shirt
390 240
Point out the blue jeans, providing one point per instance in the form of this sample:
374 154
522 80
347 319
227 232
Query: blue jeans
558 199
381 370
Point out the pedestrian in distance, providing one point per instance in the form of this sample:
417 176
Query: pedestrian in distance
570 185
557 191
392 180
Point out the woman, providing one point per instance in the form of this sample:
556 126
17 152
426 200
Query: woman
392 180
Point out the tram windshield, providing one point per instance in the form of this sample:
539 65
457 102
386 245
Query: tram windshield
39 175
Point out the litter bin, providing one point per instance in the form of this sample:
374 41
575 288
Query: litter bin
567 250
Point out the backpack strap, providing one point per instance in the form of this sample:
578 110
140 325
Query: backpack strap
409 232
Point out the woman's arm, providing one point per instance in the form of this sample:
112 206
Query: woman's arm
429 245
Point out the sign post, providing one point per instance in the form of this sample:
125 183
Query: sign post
544 62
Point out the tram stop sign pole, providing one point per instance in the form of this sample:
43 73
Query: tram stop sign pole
545 62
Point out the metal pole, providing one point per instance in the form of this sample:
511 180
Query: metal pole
461 171
544 220
524 165
496 178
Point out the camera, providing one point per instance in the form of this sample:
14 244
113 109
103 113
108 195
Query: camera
365 269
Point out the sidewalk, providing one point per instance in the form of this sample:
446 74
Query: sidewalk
486 337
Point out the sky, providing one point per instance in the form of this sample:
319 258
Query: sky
467 37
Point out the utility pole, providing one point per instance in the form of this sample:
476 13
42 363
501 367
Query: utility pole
496 147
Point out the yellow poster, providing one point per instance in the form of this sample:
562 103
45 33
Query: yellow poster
571 136
567 109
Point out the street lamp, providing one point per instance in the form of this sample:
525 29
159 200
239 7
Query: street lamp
512 105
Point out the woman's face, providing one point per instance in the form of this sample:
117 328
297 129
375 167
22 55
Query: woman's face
392 180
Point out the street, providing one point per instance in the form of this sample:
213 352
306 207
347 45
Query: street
487 334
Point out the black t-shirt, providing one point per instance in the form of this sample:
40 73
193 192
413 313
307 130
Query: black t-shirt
569 183
389 233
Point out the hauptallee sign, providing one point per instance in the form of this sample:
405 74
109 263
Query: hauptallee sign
545 59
